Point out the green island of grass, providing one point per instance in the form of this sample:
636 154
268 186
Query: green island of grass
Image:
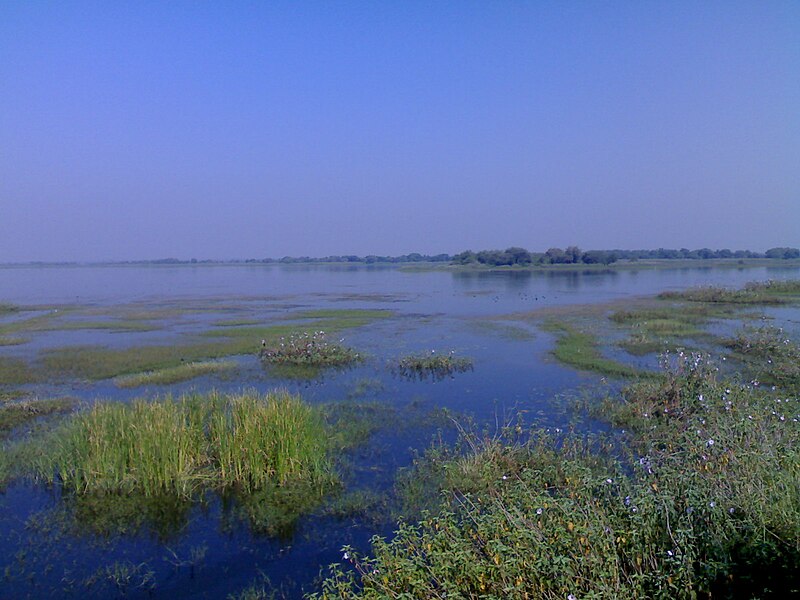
177 374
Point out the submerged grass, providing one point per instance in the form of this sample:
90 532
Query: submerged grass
196 442
177 374
701 501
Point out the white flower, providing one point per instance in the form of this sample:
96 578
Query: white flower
609 480
539 511
572 597
712 504
710 443
346 556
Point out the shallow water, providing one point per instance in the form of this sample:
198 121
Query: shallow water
42 555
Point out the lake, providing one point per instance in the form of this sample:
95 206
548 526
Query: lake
207 549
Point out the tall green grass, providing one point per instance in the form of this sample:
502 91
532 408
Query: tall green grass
180 446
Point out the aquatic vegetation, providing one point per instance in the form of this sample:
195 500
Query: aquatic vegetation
432 366
697 503
775 286
772 357
177 374
365 386
189 444
309 349
579 349
7 308
507 331
14 414
755 294
15 371
11 341
99 362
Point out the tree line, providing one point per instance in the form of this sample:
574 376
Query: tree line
574 255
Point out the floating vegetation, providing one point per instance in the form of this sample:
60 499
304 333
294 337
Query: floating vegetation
696 504
177 374
432 366
11 341
193 443
309 349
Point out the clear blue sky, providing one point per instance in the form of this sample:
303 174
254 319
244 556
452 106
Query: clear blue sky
253 129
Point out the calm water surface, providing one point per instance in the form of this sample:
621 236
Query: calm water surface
440 311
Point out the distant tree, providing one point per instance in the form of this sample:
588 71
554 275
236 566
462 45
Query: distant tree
556 256
519 256
466 257
573 254
782 253
724 253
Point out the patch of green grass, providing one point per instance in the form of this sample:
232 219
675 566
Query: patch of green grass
196 442
431 366
15 371
177 374
15 414
11 341
699 501
7 308
343 317
56 321
790 287
757 295
579 349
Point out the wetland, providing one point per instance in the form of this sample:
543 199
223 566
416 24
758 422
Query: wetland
255 431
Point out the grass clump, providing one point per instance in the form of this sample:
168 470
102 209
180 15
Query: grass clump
701 501
247 442
177 374
432 366
309 349
579 349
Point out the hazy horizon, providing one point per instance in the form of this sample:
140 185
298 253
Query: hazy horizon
234 131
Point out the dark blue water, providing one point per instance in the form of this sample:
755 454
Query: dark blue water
209 552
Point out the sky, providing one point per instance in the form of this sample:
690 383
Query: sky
225 130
